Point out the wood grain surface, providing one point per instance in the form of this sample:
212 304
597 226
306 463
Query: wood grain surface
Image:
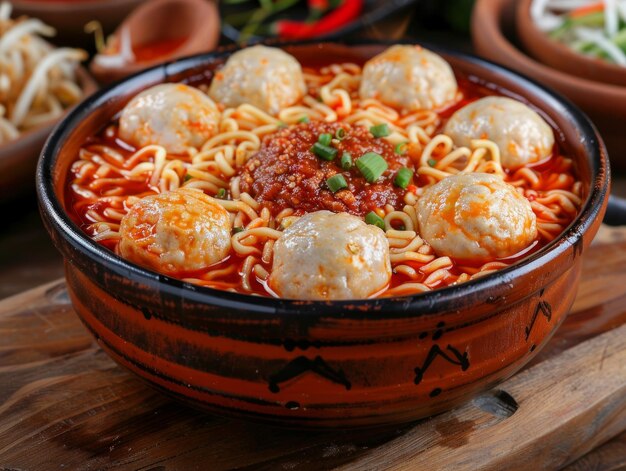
65 405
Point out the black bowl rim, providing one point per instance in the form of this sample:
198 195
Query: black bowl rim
433 302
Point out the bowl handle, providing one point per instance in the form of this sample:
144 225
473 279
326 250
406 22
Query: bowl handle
615 212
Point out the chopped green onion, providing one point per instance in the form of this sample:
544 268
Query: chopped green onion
282 125
400 148
375 220
188 177
325 139
237 229
380 130
593 19
336 183
324 152
346 161
403 177
221 193
432 162
371 166
304 119
340 133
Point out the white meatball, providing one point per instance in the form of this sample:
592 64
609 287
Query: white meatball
172 115
265 77
179 231
409 78
475 217
328 255
521 134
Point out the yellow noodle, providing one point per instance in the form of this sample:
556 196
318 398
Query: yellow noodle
401 216
406 289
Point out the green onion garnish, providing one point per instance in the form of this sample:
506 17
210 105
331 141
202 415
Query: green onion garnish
380 130
432 162
340 133
371 166
375 220
221 193
400 148
346 161
325 139
403 177
324 152
304 119
188 177
336 183
237 229
282 125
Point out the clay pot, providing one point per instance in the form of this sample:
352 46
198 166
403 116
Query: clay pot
18 158
197 21
557 55
322 364
493 35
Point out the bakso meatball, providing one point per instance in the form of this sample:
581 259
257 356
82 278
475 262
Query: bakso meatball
172 115
265 77
175 232
521 134
410 78
475 217
326 255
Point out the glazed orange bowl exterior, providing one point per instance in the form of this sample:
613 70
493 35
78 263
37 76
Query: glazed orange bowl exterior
321 364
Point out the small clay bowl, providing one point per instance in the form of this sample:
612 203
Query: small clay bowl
493 35
555 54
195 23
18 158
69 17
314 364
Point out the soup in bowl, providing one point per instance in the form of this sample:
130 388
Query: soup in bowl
324 234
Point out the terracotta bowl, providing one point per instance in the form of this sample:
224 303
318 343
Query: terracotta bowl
493 35
18 158
555 54
157 20
322 364
70 16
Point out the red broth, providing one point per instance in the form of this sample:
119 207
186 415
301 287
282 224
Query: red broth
547 172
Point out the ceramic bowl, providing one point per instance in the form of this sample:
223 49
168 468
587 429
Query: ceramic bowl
557 55
315 364
197 21
18 158
493 35
70 16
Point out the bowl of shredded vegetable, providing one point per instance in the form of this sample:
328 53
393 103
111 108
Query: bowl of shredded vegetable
586 38
495 37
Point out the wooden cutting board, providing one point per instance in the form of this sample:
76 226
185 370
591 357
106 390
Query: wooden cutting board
65 405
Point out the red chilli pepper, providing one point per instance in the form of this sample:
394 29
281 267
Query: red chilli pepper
344 13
